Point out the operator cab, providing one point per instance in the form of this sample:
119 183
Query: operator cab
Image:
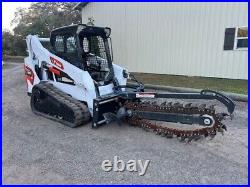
86 47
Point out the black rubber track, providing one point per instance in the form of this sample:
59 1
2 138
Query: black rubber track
48 101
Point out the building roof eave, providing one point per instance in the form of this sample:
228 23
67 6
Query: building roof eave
79 6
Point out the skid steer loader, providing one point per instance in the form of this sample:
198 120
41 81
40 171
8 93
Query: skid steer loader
71 79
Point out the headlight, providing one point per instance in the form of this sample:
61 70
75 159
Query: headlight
125 73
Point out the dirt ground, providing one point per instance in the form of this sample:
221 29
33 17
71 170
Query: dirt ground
39 151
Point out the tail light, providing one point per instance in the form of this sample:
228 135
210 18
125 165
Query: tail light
29 75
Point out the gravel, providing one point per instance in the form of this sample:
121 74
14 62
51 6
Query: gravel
39 151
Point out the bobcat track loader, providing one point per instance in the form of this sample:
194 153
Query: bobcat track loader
73 80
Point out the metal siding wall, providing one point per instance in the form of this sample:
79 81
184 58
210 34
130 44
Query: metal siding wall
174 38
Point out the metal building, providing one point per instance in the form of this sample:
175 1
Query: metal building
194 39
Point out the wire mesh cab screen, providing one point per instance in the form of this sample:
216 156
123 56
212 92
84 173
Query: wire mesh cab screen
95 56
64 46
86 47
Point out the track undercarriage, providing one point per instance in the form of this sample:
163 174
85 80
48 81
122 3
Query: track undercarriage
49 102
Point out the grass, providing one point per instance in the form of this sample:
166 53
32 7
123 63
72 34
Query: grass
227 85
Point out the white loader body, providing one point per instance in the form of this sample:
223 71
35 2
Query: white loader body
83 88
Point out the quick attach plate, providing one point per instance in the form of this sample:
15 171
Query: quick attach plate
104 104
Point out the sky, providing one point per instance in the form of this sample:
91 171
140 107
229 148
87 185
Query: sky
8 10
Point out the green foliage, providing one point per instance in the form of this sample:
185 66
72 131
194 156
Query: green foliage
13 45
39 19
7 42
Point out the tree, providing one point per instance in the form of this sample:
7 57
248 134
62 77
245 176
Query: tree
40 19
7 42
12 45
